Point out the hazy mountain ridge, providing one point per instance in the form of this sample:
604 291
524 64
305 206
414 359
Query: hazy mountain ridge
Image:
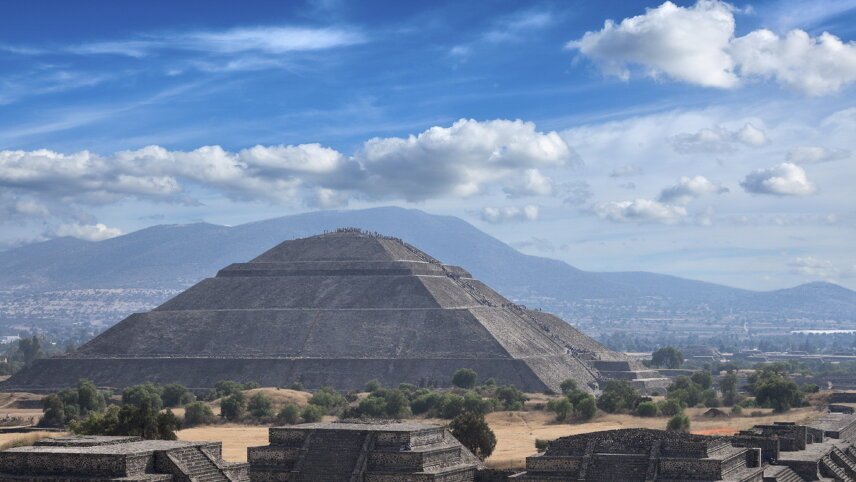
169 257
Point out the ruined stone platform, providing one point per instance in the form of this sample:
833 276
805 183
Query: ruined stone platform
114 459
338 310
370 452
641 455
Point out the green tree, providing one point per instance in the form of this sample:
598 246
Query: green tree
89 399
451 405
98 423
289 414
232 408
198 413
586 408
667 357
568 386
728 387
168 424
53 412
510 397
138 416
646 409
703 379
679 423
372 406
176 395
225 388
373 385
312 413
473 402
465 378
779 393
331 401
617 396
670 407
260 406
562 407
474 433
28 350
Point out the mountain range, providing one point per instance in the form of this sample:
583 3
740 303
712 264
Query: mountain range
171 257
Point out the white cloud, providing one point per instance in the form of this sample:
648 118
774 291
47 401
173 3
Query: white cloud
531 183
814 66
510 214
688 189
786 179
719 139
640 211
460 160
816 155
89 232
688 44
265 40
696 45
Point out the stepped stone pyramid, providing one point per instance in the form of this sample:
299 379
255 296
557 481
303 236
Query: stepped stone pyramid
338 309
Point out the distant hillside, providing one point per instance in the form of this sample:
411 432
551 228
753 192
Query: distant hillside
171 257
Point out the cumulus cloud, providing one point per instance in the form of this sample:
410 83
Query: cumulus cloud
460 160
88 232
786 179
575 193
688 44
531 183
688 189
719 140
510 214
815 66
696 44
816 155
640 211
466 158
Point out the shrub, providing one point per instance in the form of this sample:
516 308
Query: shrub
232 408
736 411
425 402
617 396
474 433
451 405
703 379
175 395
260 406
198 413
709 398
810 388
473 402
561 407
670 407
568 386
465 378
667 357
586 408
296 385
251 385
331 401
225 388
646 409
372 406
373 385
312 413
53 412
289 414
541 444
98 423
168 424
679 423
510 397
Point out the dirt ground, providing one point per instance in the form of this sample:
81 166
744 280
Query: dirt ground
515 431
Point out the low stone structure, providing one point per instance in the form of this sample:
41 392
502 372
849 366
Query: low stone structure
126 459
643 455
839 425
371 452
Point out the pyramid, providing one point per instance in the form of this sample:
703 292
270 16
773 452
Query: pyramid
337 309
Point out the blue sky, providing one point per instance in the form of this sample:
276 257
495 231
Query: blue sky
702 139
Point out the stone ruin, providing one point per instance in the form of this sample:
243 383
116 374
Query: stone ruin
821 450
125 459
375 452
338 309
643 455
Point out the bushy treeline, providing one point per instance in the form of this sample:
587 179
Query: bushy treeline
87 411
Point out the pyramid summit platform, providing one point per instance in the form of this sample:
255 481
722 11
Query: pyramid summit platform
337 309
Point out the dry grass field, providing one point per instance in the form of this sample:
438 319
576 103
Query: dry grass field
516 432
9 440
